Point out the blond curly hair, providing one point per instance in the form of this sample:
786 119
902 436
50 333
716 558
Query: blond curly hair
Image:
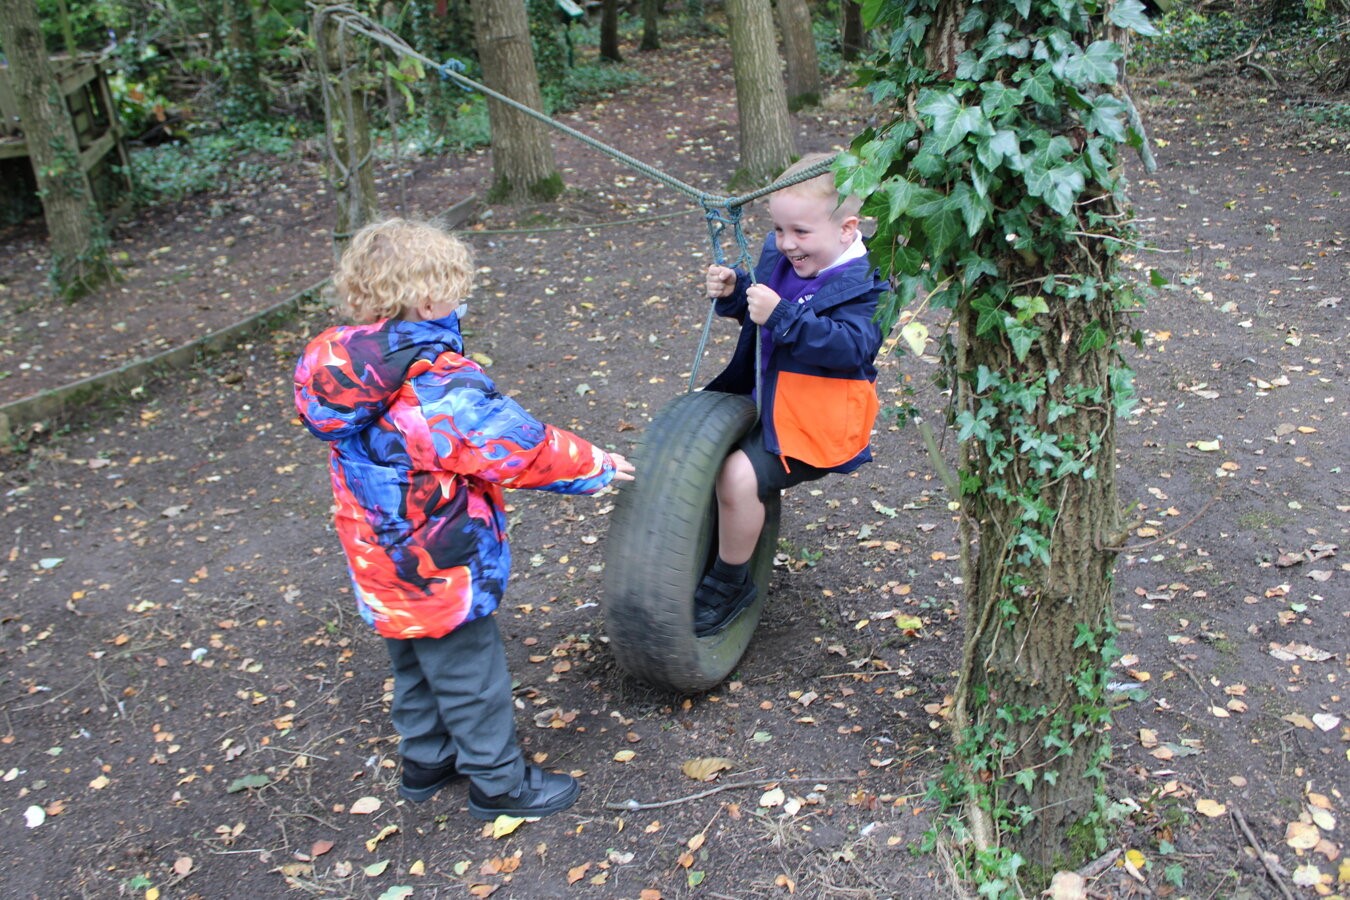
821 187
395 265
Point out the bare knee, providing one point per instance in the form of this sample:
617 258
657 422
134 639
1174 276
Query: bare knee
737 483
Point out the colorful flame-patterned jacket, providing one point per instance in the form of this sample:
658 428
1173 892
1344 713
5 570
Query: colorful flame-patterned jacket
422 445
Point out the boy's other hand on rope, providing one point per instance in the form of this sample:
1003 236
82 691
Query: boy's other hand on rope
721 281
762 300
623 469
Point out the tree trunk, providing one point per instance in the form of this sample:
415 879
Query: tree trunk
75 226
651 30
761 102
853 41
799 49
609 31
1037 648
240 56
522 156
353 172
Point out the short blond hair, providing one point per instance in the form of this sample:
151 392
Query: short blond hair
395 265
821 187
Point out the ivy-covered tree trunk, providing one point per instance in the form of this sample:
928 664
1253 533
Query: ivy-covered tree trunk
523 164
998 196
799 53
761 101
79 255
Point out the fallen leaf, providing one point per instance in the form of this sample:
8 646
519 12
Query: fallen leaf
1302 835
182 866
1326 721
376 868
771 798
504 825
34 816
1067 886
705 768
1211 808
624 756
576 873
365 806
385 832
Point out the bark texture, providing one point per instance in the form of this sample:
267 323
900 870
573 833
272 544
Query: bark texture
74 224
799 51
609 31
1023 646
522 156
761 100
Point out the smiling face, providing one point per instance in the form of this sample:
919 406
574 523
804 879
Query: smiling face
810 231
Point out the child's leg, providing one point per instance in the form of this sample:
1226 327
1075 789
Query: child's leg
414 711
471 686
740 513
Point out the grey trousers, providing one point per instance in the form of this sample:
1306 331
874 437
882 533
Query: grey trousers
452 699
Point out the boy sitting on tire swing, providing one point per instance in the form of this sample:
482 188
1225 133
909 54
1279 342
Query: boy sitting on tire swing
811 306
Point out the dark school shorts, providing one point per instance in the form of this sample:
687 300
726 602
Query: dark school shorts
769 471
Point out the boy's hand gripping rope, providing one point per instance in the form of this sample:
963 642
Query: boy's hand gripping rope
719 217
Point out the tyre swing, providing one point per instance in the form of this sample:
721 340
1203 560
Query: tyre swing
662 535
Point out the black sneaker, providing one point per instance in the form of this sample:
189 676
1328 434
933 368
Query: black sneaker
420 783
716 603
539 794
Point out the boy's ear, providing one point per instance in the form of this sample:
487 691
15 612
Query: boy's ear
848 229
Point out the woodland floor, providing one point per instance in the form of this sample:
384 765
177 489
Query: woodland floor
191 706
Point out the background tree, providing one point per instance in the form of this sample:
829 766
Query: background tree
651 25
245 99
79 246
345 84
853 38
761 101
799 52
523 165
998 197
609 31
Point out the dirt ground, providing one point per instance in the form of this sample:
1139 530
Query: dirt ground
191 707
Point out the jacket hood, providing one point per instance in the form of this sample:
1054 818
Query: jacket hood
350 374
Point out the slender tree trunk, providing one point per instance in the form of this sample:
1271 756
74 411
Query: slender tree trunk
651 25
609 31
242 72
75 226
799 49
353 172
522 156
853 42
761 102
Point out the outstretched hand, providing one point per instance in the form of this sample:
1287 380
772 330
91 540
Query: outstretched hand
623 469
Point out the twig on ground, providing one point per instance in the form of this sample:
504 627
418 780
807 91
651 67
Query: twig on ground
869 674
634 806
1260 854
1100 864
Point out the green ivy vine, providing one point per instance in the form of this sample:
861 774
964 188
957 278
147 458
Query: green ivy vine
998 196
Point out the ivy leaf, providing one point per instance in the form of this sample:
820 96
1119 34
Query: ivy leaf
1107 117
1059 187
943 228
1096 64
1132 15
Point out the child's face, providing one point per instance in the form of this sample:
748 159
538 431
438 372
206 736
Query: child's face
806 232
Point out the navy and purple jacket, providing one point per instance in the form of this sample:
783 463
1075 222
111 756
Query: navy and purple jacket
820 400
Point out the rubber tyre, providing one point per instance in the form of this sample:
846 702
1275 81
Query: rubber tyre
662 539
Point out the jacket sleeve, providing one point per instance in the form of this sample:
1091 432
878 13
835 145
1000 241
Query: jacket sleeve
845 338
474 430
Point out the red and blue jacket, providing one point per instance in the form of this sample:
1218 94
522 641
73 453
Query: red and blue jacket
819 391
421 446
